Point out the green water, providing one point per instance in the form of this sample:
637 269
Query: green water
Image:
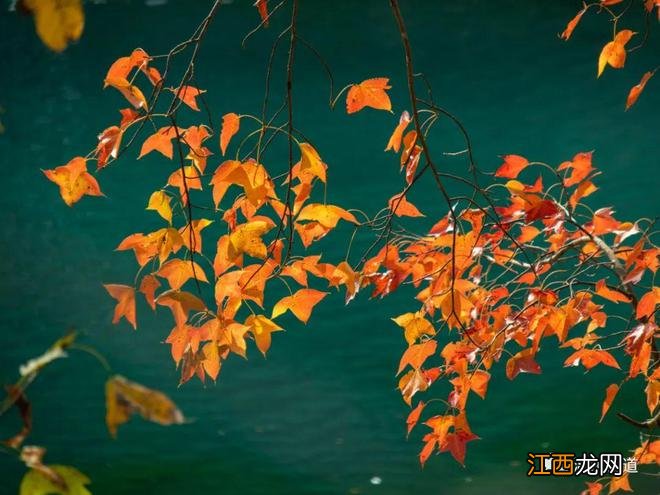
321 414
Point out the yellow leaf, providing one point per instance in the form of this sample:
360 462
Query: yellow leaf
160 203
246 238
58 22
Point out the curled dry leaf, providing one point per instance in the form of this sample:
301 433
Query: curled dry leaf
125 398
636 90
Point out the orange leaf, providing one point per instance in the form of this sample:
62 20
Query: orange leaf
580 167
395 139
582 191
369 93
188 95
610 393
572 24
74 180
148 287
414 415
512 166
178 272
522 362
614 52
401 207
160 141
125 297
620 483
262 8
416 354
648 302
636 90
108 147
180 303
230 125
590 358
613 295
261 328
326 215
301 304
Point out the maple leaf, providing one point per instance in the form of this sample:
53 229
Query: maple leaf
369 93
522 362
311 162
326 215
590 358
188 95
148 287
414 325
620 483
614 52
125 398
580 167
58 22
647 303
301 304
74 180
262 328
394 142
613 295
416 355
512 166
180 303
178 272
131 92
159 201
246 238
414 415
610 393
125 296
230 125
160 141
401 207
572 24
637 89
582 191
108 147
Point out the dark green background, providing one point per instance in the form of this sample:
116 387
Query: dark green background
321 414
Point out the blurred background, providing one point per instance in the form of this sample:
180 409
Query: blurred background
321 414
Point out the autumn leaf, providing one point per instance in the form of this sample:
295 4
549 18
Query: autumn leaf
620 483
148 287
522 362
246 238
125 296
125 398
301 304
414 415
58 22
394 143
159 202
585 189
62 480
74 180
401 207
311 162
131 92
581 166
414 325
326 215
590 358
230 125
572 24
612 295
369 93
262 8
262 328
636 90
416 355
647 303
178 272
108 146
180 303
188 95
512 166
160 141
614 52
610 393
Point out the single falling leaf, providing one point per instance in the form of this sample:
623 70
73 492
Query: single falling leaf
401 207
58 22
395 139
614 52
74 180
572 24
261 328
68 481
512 166
125 398
160 141
159 202
610 393
188 95
230 125
178 272
636 90
301 304
125 308
369 93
